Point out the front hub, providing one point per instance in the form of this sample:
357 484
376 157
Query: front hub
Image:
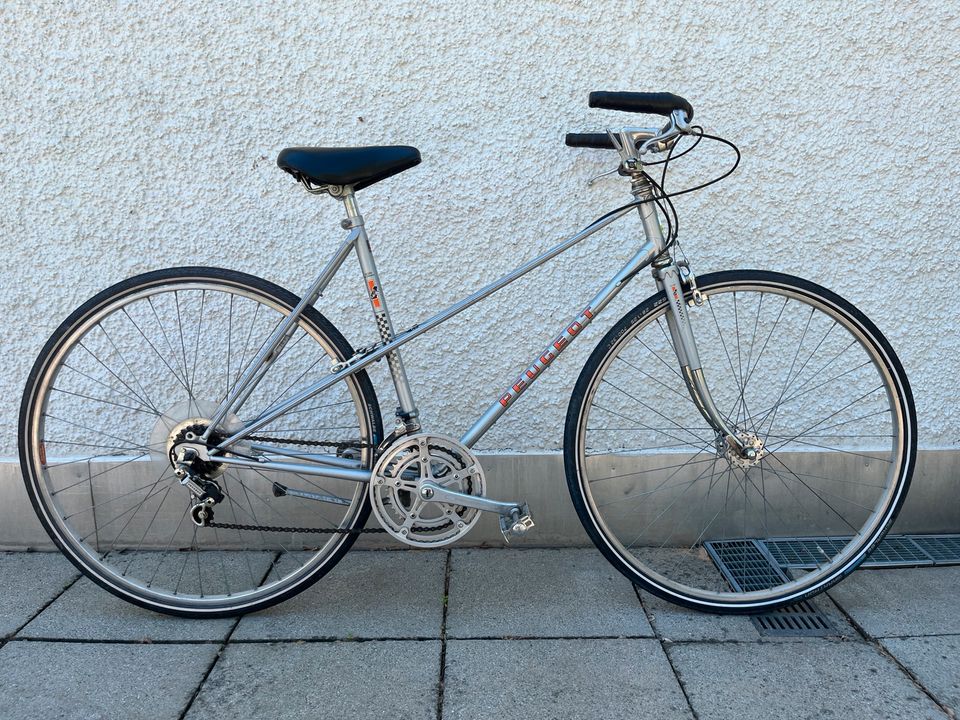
753 451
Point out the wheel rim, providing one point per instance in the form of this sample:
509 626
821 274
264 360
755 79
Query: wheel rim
137 366
801 374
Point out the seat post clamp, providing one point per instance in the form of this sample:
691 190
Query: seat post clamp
348 223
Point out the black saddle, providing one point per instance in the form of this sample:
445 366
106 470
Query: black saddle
356 167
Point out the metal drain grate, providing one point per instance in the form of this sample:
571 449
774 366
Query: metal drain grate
942 549
897 550
759 564
748 565
745 564
893 551
804 553
800 620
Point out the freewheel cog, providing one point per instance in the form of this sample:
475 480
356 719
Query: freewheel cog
397 479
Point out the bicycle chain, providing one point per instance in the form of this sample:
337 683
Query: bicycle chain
339 445
282 529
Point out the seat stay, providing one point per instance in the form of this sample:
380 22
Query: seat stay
274 346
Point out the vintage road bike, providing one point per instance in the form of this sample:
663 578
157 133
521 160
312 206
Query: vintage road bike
202 442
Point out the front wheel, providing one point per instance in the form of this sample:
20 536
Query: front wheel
806 380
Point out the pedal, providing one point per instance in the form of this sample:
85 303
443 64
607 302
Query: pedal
516 524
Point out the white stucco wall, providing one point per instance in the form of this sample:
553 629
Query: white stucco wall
140 135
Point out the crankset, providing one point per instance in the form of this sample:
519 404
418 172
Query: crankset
428 490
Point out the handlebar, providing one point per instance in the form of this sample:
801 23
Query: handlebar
651 103
599 141
631 141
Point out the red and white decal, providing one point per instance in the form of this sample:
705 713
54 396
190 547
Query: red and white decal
374 293
556 347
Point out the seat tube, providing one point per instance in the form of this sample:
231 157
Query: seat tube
407 411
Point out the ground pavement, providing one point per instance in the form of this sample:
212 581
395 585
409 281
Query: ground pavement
474 634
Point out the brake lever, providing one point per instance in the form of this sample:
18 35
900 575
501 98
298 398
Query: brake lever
594 179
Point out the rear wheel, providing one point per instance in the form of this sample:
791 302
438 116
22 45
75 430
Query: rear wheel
806 380
143 366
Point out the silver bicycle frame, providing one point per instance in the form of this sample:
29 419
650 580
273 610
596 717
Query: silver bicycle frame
667 278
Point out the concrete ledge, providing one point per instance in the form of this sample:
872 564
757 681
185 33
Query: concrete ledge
539 479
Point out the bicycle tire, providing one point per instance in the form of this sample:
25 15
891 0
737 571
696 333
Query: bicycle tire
690 573
247 295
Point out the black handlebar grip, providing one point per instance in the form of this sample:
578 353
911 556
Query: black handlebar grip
653 103
600 141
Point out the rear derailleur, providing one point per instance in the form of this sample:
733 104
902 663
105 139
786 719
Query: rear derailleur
205 493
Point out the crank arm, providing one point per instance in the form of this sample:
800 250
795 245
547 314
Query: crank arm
433 492
514 517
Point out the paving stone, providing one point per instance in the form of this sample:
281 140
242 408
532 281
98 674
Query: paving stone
99 680
541 593
356 680
817 678
915 601
27 582
369 594
87 612
623 678
936 663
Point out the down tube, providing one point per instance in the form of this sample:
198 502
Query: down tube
529 376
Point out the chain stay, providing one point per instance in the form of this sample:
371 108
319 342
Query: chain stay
339 445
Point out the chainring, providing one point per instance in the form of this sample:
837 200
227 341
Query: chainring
395 489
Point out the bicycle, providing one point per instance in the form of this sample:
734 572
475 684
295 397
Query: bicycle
203 442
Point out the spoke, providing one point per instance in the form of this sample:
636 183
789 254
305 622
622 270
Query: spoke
147 531
773 329
94 445
650 470
154 348
54 493
173 352
653 352
819 497
133 392
764 414
196 346
169 546
821 491
726 352
226 390
125 512
151 484
111 388
653 410
183 349
833 414
263 539
667 508
132 443
107 402
136 378
667 479
786 380
832 449
657 381
626 417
